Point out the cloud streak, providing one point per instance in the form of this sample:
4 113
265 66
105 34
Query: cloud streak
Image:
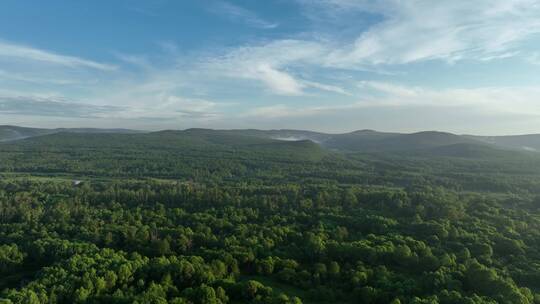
240 14
502 100
48 106
271 64
488 100
167 108
417 30
11 50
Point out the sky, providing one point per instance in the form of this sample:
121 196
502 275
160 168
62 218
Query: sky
468 67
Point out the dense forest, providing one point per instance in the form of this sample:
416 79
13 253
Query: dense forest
221 217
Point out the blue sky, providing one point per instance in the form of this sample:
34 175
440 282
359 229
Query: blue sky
326 65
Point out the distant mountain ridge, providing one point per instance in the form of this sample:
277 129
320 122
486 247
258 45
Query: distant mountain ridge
528 142
11 133
367 141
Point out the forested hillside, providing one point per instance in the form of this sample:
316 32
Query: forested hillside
202 216
357 141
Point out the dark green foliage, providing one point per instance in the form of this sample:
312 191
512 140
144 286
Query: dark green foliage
205 217
163 242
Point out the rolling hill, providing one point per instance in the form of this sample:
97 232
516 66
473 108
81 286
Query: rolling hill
11 133
187 142
372 141
188 154
230 155
362 141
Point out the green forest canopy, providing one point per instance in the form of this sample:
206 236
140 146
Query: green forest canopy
221 218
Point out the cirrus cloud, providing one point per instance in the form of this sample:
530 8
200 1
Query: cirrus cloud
12 50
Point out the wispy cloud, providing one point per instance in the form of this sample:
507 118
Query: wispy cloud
49 106
487 100
275 66
405 32
11 50
166 107
36 79
327 87
279 82
240 14
270 64
518 100
136 60
416 30
287 111
174 106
